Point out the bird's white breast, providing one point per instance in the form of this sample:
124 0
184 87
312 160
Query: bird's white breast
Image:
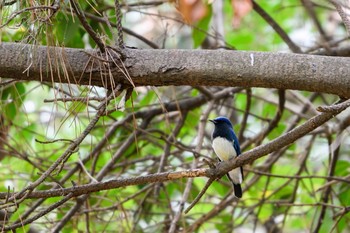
223 148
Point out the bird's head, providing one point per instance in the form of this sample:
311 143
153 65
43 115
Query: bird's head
222 121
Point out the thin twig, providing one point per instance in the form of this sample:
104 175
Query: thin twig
299 177
198 197
126 30
118 15
272 124
14 14
103 172
74 99
309 6
69 214
71 149
9 2
246 115
7 82
344 12
169 141
292 46
40 214
327 191
53 141
86 25
258 152
200 138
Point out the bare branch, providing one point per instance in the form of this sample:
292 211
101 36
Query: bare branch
70 150
186 67
284 36
343 8
86 25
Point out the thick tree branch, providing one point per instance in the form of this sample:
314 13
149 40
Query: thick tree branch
180 67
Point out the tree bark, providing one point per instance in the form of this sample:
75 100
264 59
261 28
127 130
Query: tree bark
177 67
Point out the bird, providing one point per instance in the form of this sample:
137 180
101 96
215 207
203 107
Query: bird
226 146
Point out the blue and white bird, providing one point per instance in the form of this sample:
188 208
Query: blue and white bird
226 146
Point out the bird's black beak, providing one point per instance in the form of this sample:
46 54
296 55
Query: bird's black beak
212 121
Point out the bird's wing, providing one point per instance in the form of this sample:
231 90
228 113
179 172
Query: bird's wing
235 142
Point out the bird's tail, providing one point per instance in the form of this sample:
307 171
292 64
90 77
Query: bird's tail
237 189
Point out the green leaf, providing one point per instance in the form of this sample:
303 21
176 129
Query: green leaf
199 32
77 107
265 212
68 31
343 223
10 111
342 168
344 194
12 97
21 90
27 132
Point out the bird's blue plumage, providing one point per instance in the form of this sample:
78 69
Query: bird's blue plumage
223 128
226 146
